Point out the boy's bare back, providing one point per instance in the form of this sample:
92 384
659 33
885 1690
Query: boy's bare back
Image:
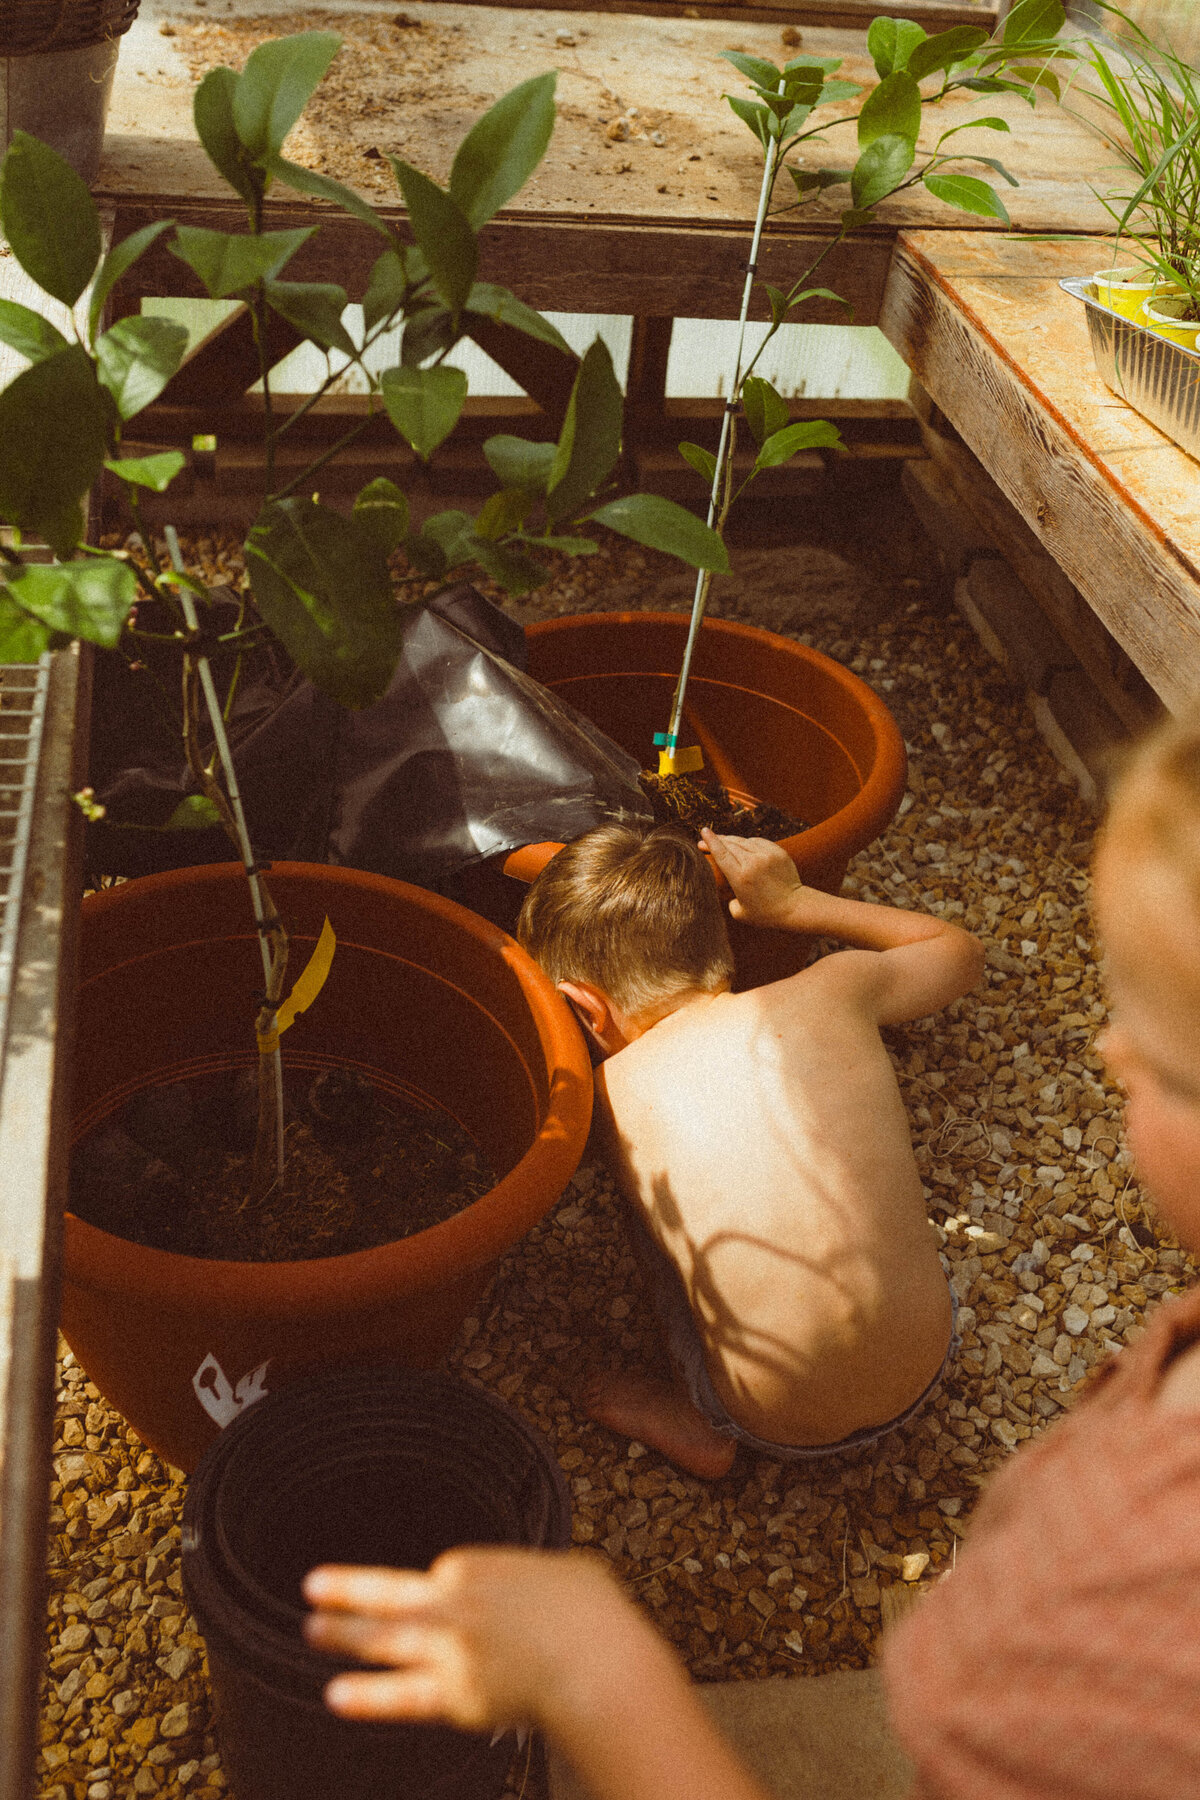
763 1138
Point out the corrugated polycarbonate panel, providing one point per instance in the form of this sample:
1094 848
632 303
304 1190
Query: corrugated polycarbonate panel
23 688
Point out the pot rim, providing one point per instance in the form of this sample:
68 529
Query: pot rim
862 818
441 1254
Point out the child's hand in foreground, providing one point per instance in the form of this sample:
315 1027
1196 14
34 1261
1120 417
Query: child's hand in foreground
486 1638
762 875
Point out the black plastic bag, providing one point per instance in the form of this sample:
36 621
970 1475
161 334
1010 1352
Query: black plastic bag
464 759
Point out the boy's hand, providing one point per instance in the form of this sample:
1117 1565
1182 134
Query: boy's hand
762 875
487 1638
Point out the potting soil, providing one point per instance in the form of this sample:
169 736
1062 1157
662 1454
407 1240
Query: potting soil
683 800
361 1169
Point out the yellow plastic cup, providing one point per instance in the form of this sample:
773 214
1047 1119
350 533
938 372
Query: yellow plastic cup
1126 291
1161 315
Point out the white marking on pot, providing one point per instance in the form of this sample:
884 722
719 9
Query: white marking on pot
222 1402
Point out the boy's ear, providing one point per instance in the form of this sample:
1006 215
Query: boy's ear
590 1004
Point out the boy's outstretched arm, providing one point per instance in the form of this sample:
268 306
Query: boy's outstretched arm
497 1638
923 963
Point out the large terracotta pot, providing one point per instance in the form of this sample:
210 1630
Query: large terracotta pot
424 998
777 721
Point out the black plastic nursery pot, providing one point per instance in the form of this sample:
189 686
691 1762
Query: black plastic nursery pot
378 1465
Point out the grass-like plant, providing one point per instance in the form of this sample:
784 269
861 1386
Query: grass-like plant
1146 108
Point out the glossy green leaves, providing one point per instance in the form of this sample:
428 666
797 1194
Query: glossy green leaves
321 582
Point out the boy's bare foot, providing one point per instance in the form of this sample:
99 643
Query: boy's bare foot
658 1414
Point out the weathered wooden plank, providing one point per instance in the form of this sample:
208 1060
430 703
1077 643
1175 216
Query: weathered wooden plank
935 15
557 264
1005 356
679 162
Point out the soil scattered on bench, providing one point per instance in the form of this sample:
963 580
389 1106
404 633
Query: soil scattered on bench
362 1169
683 800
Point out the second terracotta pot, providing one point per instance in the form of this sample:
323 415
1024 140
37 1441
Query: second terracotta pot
777 721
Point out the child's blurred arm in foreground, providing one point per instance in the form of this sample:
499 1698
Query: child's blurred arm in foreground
499 1638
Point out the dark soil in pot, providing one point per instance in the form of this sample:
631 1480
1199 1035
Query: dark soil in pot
172 1170
689 800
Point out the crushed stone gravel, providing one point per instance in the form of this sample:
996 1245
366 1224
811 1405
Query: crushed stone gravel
1054 1252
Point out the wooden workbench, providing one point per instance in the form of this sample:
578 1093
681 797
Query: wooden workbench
628 226
1005 355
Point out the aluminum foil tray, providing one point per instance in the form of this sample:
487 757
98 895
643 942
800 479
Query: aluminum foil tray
1159 379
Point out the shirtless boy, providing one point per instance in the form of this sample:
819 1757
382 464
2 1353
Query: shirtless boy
759 1138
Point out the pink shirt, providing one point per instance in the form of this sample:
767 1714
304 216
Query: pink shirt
1061 1661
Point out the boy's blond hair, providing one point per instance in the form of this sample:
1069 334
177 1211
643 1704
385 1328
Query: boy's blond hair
1158 795
632 910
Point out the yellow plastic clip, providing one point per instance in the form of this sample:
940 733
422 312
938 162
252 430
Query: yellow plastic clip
308 985
680 762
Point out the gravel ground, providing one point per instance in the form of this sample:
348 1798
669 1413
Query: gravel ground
1054 1256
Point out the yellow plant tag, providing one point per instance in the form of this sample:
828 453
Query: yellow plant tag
308 985
680 762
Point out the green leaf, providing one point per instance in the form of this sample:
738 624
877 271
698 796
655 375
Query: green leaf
321 583
90 600
828 65
121 258
386 289
758 69
968 194
516 572
1031 20
856 215
702 460
990 162
195 812
212 111
840 90
1038 78
314 308
426 556
891 43
502 149
382 510
569 546
23 639
324 187
815 181
276 85
502 513
519 463
751 113
892 110
766 409
590 441
230 262
424 404
988 124
880 170
430 332
806 434
944 50
26 332
442 231
820 293
662 525
49 218
53 436
136 359
451 532
492 302
153 472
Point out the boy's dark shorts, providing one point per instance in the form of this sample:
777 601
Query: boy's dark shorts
687 1353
